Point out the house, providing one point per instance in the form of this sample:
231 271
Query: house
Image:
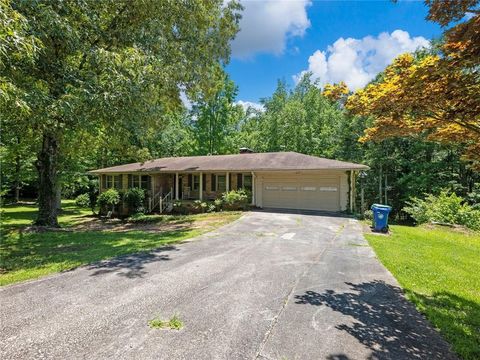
284 180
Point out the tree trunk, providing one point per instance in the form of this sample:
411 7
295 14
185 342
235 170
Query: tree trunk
16 184
18 168
47 184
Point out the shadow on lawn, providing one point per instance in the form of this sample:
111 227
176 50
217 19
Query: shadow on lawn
67 250
383 320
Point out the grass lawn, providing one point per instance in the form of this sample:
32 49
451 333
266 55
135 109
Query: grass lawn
439 270
29 255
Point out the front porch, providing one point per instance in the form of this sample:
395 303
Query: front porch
163 188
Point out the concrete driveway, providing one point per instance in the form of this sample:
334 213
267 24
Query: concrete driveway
268 286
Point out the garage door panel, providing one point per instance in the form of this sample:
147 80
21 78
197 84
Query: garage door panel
302 192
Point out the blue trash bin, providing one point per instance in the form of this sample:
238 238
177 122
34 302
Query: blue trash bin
380 217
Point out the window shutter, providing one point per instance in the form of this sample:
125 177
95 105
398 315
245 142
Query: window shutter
213 182
120 182
204 182
130 181
239 181
104 181
190 181
230 181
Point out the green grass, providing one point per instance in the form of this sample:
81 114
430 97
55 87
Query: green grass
174 323
439 270
16 216
30 255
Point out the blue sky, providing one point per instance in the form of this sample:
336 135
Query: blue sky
337 40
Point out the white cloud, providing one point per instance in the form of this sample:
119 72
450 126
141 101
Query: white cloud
266 26
357 61
250 105
468 16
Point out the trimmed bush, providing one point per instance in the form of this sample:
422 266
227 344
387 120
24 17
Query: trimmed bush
107 200
83 201
199 206
445 207
235 199
134 199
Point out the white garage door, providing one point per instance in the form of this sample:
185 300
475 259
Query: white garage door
301 192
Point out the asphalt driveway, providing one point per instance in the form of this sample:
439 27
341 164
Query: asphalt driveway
268 286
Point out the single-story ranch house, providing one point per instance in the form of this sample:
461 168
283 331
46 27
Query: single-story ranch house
283 180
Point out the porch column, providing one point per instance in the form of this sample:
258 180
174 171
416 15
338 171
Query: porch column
200 188
253 189
227 182
176 186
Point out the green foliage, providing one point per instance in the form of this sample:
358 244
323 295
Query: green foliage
83 201
26 255
218 203
108 199
235 199
368 215
434 266
122 60
134 199
200 206
174 323
445 207
215 120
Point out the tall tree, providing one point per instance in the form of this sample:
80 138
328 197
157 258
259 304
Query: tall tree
215 119
436 92
105 65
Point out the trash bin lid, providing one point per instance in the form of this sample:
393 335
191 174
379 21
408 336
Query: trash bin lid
381 207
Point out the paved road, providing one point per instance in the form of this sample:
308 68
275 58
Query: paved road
268 286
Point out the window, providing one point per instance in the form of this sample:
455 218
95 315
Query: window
289 188
108 181
247 182
309 188
221 183
145 182
117 182
327 188
271 188
139 181
213 181
196 182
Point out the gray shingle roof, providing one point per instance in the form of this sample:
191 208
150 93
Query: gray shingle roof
273 161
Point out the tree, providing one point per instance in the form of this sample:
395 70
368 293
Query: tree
105 67
434 93
215 119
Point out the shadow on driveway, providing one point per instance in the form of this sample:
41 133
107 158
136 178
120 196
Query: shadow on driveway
131 266
383 320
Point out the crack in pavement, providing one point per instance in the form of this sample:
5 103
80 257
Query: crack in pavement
287 298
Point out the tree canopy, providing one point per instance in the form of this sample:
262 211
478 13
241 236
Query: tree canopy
85 69
432 92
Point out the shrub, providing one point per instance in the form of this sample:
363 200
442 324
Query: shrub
235 199
445 208
108 200
83 200
134 199
179 208
368 215
218 203
140 218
